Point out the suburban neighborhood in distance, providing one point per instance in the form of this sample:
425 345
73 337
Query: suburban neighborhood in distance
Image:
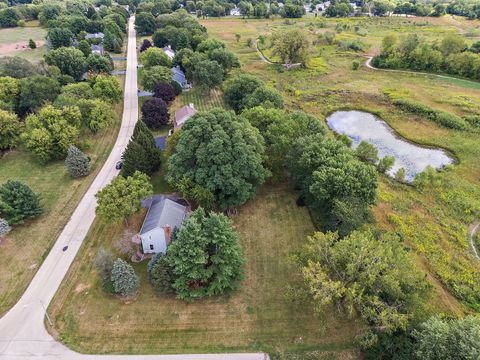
240 179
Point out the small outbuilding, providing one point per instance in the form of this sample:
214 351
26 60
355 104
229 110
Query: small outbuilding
163 216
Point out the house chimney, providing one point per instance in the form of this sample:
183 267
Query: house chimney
168 233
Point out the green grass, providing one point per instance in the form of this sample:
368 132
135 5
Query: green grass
257 317
27 245
18 34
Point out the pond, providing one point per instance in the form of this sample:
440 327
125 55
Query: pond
359 125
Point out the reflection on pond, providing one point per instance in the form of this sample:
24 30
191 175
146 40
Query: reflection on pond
359 125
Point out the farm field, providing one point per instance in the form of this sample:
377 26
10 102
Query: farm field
431 218
26 247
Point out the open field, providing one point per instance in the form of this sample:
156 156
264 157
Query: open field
14 40
27 245
432 219
258 316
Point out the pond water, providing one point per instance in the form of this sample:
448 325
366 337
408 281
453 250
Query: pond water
359 125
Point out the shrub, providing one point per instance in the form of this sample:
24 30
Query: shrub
18 202
160 274
386 163
400 175
78 164
104 264
31 44
355 65
125 281
5 228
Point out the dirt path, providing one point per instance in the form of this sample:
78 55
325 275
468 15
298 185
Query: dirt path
262 57
472 232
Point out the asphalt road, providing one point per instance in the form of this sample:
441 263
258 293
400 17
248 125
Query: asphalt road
22 330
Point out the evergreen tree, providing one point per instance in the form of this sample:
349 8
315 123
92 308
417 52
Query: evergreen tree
18 202
5 228
160 274
147 142
31 44
125 281
77 162
206 256
134 158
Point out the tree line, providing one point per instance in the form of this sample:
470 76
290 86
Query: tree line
450 55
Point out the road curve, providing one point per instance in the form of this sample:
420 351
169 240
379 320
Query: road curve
22 330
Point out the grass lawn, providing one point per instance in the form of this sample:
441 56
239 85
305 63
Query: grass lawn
19 34
258 316
432 219
27 245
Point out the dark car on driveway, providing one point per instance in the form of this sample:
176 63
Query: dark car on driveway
118 165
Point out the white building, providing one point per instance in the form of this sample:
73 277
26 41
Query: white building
163 216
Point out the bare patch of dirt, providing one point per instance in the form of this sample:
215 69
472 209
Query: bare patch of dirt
81 287
20 46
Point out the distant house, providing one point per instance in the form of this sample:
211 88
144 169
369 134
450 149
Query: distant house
182 115
169 52
97 49
99 35
179 76
163 216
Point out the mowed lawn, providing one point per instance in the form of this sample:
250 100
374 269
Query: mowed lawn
257 317
27 245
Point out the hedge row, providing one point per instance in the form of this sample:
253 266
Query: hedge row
442 118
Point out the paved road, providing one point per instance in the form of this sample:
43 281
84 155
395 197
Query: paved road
22 331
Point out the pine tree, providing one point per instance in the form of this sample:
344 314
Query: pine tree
18 202
31 44
160 274
147 142
77 162
135 158
5 228
125 281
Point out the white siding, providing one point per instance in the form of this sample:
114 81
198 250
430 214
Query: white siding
154 241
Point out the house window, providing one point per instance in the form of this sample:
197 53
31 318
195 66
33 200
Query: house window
151 246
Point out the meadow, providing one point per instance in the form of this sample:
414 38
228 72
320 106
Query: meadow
12 40
432 217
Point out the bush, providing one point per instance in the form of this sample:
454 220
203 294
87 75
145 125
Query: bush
31 44
104 264
5 228
442 118
160 274
18 202
78 164
125 281
355 65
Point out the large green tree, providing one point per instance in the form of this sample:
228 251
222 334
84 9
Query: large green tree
369 275
122 197
9 93
107 88
208 73
69 60
10 129
238 88
50 133
206 256
448 339
291 45
227 159
18 202
151 76
36 91
155 57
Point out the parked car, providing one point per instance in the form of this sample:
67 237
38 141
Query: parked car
118 165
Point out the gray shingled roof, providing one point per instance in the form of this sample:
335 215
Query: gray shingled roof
164 212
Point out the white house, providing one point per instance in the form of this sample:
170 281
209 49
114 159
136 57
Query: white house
169 52
163 216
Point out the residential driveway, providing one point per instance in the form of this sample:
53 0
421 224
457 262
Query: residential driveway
22 331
